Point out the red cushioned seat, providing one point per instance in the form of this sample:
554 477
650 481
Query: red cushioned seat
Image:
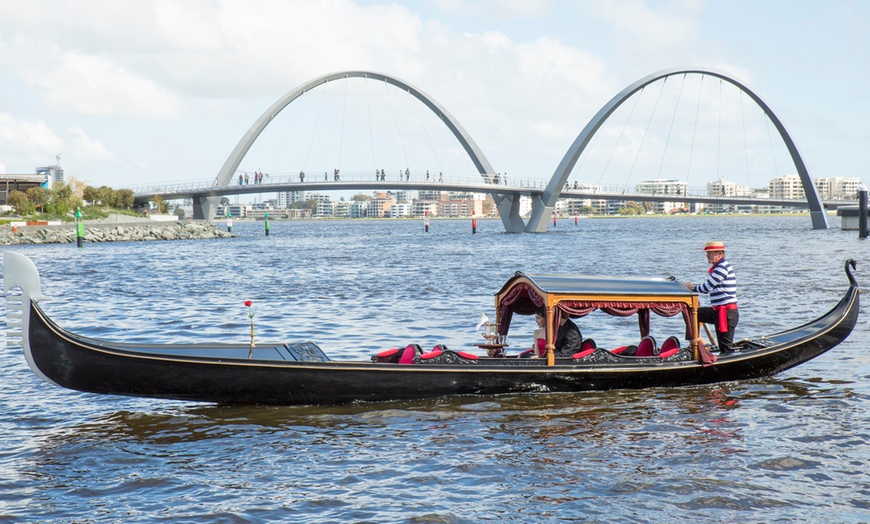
670 347
647 347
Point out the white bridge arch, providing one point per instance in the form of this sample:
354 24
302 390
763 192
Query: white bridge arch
508 204
541 212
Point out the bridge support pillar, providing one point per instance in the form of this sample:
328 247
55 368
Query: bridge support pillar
540 216
204 208
819 217
509 211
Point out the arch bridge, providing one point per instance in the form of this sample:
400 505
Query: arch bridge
507 201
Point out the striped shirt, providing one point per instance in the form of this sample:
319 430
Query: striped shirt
721 285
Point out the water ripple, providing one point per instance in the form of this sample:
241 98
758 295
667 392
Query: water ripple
791 448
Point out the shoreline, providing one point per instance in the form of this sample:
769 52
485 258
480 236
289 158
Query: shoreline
113 231
125 228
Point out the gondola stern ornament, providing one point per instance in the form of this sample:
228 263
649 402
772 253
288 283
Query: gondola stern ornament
851 262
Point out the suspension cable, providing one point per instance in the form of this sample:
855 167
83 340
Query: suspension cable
745 146
293 110
371 129
770 140
341 136
719 135
645 131
425 131
671 128
396 120
316 122
621 134
694 131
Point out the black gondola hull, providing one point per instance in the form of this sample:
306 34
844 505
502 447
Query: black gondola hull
102 367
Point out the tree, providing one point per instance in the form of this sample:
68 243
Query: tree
123 199
19 201
107 194
91 195
38 197
632 208
161 206
309 204
361 197
179 212
61 199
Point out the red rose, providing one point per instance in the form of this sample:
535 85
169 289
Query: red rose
248 303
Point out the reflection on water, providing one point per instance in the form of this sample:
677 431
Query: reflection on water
789 448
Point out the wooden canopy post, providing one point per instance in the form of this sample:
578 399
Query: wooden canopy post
551 336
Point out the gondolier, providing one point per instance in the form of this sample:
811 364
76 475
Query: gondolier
721 285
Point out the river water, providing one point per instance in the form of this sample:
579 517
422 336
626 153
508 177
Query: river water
790 448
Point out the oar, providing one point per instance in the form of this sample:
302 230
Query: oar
709 335
707 358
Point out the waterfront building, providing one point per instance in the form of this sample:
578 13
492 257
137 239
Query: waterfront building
358 209
419 208
726 188
288 198
403 196
52 174
460 207
838 188
612 207
787 187
239 210
525 206
325 209
379 205
400 210
431 196
577 206
340 209
661 186
11 182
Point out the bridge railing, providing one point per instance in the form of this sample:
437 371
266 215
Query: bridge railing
396 179
284 179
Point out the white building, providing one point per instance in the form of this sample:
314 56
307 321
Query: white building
726 188
52 174
400 210
837 188
288 198
664 187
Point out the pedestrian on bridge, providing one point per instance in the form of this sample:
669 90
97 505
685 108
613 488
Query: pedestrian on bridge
407 174
301 176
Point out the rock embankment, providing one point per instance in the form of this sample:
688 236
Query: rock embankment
112 232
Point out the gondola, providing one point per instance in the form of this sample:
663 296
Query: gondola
301 373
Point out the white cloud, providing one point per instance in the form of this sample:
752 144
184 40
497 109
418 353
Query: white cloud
495 9
87 149
649 34
94 86
22 138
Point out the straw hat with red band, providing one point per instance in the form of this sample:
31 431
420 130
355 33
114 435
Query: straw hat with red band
715 246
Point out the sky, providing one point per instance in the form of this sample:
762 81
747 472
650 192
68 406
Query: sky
160 91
